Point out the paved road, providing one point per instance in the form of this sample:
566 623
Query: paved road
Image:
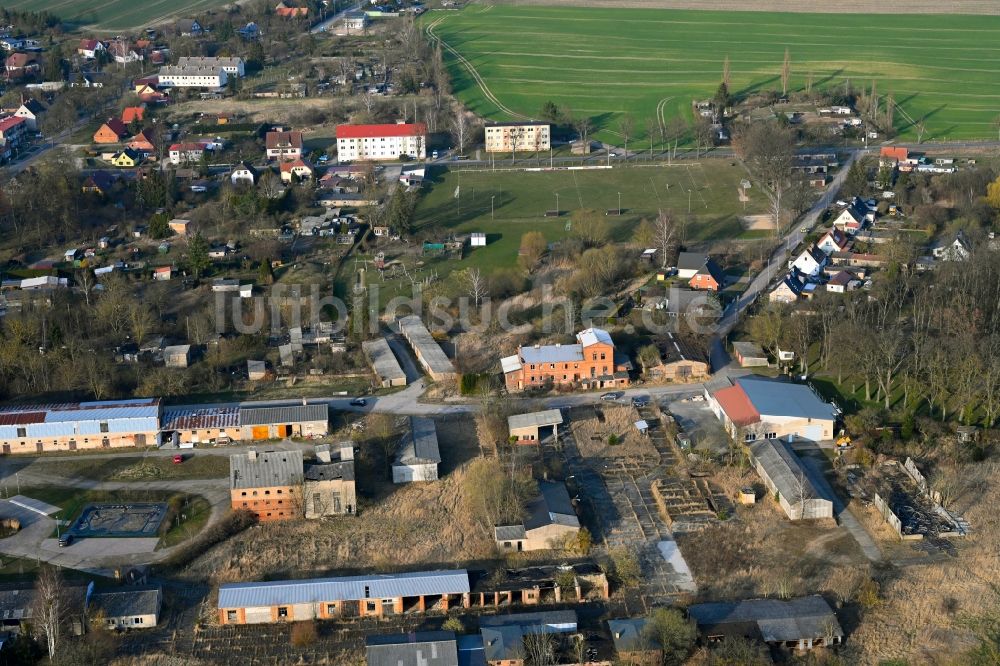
326 24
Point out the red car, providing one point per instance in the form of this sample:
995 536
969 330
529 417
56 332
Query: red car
178 459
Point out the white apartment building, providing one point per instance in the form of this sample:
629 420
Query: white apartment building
231 66
381 142
192 77
526 137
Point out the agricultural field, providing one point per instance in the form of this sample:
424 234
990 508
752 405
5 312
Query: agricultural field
117 14
507 61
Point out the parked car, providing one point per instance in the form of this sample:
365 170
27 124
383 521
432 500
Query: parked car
611 396
65 540
178 459
640 401
359 402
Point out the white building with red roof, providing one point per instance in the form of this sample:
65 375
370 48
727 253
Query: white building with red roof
12 129
181 153
381 142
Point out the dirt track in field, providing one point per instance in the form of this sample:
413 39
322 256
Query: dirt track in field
991 7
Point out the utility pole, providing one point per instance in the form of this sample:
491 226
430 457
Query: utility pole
557 215
619 204
689 201
491 206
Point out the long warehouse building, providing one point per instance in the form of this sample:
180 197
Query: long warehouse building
107 424
374 595
427 350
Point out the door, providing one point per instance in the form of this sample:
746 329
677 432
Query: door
6 449
38 447
105 443
813 432
284 430
72 445
259 432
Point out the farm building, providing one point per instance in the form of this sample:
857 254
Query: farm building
633 645
533 427
419 648
212 425
280 422
785 477
593 362
19 604
374 595
268 483
177 356
551 520
754 407
503 635
428 352
127 607
256 370
679 359
329 488
523 136
539 584
81 425
418 456
384 363
802 623
163 273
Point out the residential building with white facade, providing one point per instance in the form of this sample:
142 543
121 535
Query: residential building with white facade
174 76
381 142
231 66
528 137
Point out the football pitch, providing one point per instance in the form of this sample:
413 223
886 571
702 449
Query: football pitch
507 61
117 14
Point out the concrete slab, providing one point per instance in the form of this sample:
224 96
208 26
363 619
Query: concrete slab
38 506
672 554
101 548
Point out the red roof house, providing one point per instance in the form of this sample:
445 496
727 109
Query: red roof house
133 113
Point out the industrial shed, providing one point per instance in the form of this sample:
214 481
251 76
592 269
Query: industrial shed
375 595
428 352
551 520
531 428
127 607
384 363
211 425
289 421
419 648
783 474
418 457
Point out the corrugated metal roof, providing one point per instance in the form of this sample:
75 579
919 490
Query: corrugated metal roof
785 470
510 364
552 354
269 469
534 419
420 444
286 414
593 336
429 352
771 397
422 648
127 602
347 588
805 617
200 419
383 361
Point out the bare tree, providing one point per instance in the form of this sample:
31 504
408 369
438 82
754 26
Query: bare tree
460 129
540 649
86 281
786 72
651 127
49 610
767 151
725 71
626 126
582 126
921 128
477 286
368 99
664 235
890 112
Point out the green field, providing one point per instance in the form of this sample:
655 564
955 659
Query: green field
604 62
117 14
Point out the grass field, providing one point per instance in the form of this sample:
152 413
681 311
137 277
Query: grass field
117 14
649 62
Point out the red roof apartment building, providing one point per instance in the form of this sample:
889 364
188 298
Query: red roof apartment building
381 142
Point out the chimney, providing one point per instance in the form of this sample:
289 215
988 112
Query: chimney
252 455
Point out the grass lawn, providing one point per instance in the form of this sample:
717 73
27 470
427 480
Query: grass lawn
133 468
117 14
193 515
605 62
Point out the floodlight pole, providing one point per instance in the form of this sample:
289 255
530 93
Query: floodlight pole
491 206
619 204
557 215
689 201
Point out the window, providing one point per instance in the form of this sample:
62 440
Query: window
22 432
137 620
331 609
593 357
230 616
279 492
602 356
255 493
104 426
282 610
267 492
244 493
370 606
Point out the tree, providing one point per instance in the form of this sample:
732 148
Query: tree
625 127
590 226
725 72
721 99
550 112
582 126
54 64
665 235
159 226
993 194
140 321
767 151
625 566
856 182
265 273
651 127
737 651
673 633
533 248
197 255
86 281
49 611
477 285
460 130
649 357
704 135
786 72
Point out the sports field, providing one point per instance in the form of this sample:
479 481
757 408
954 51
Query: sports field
507 61
117 14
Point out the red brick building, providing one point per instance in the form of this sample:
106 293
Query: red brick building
593 362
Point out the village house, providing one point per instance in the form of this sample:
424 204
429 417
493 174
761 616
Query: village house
593 362
20 65
126 607
679 360
123 52
188 28
534 427
355 22
809 262
133 114
20 605
633 644
418 456
788 290
141 143
244 173
13 130
269 484
232 66
958 249
842 281
689 263
381 142
328 487
297 170
291 9
504 635
803 623
30 110
834 240
283 145
524 136
112 131
892 155
708 277
126 159
185 153
89 48
372 595
853 217
551 521
752 407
